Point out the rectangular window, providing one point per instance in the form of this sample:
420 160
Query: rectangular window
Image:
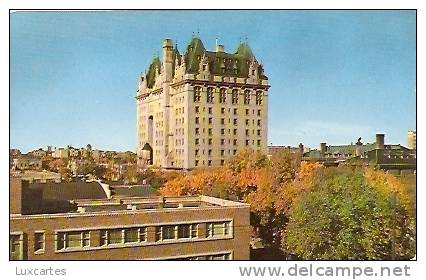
197 120
168 232
222 162
247 97
115 236
210 96
209 163
222 110
258 132
247 112
60 240
197 109
222 141
219 228
259 99
16 249
235 142
210 110
184 231
210 131
258 113
209 152
258 142
210 141
222 131
210 120
258 122
247 121
197 94
131 235
194 230
197 130
142 234
222 97
73 239
197 141
235 111
196 162
222 121
196 152
38 241
235 96
235 121
85 239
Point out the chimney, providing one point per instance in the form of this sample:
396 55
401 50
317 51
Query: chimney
168 59
220 48
301 149
358 146
380 141
323 148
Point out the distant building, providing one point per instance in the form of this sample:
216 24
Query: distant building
389 157
14 153
37 176
62 153
412 139
101 228
39 153
292 150
199 108
24 162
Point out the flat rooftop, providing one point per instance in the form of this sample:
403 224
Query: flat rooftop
151 203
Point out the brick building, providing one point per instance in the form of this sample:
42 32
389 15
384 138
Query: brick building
120 228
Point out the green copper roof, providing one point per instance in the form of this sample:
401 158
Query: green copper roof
220 63
150 76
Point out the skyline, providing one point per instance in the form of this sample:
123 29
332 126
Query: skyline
357 67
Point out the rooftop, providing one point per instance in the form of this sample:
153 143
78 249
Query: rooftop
138 204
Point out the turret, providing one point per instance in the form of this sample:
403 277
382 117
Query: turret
168 59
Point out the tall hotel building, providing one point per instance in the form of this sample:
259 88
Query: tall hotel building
199 108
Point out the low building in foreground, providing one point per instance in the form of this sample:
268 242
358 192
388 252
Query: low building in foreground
129 228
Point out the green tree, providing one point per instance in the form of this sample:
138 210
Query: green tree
350 214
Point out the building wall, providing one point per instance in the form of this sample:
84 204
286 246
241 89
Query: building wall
237 243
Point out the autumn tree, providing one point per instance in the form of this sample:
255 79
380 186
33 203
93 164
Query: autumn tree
356 214
61 166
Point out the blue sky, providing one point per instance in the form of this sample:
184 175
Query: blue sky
335 75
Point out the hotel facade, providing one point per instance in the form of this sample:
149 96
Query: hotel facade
199 108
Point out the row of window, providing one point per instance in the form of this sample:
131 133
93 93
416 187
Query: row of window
209 162
222 121
131 235
223 110
222 132
226 256
222 96
222 141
